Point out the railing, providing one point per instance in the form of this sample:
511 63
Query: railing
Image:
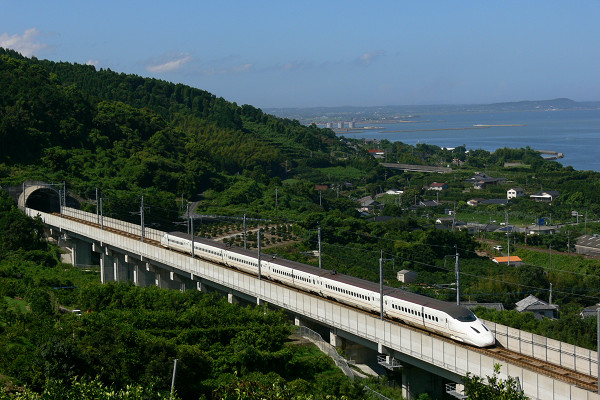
564 354
327 349
375 394
134 229
340 361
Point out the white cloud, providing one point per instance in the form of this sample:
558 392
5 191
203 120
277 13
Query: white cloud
368 58
169 66
95 63
24 44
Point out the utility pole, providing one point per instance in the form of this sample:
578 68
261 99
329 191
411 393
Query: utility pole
276 208
59 201
320 265
457 269
550 297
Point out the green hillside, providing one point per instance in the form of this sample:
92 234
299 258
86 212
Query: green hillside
62 121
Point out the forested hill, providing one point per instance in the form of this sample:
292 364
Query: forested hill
101 128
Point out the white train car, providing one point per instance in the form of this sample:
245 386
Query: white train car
444 318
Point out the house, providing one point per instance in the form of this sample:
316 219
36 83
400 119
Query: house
538 307
497 202
512 260
368 205
473 304
394 192
482 179
588 244
474 202
438 186
513 193
377 153
541 229
428 203
591 311
545 196
406 276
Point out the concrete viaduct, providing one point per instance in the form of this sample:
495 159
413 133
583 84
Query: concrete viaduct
425 361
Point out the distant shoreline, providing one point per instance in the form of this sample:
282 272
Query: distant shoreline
440 129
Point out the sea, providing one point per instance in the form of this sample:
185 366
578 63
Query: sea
575 133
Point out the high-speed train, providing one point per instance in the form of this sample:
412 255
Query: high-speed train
441 317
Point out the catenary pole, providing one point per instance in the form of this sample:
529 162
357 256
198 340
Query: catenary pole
97 208
320 265
187 223
457 267
192 234
258 244
101 214
245 230
142 219
381 284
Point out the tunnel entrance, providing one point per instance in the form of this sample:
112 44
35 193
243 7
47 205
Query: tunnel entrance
44 199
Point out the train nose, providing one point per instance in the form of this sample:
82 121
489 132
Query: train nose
486 337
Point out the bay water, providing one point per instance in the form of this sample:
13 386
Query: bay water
575 133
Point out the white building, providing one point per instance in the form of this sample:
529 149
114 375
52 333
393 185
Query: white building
406 276
545 196
340 125
513 193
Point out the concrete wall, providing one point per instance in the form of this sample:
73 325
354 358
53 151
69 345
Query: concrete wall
437 356
540 347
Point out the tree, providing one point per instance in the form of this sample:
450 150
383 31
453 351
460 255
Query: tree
477 389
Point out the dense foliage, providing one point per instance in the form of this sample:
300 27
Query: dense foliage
493 387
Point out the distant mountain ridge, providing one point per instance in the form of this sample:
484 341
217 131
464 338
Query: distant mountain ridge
406 111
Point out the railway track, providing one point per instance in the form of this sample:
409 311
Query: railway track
570 376
578 379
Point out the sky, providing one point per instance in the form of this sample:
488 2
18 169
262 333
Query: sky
327 53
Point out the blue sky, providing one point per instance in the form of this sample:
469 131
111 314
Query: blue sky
327 53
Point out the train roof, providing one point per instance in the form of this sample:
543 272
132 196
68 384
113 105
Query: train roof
451 309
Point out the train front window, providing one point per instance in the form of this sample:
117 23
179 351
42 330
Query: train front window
467 317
